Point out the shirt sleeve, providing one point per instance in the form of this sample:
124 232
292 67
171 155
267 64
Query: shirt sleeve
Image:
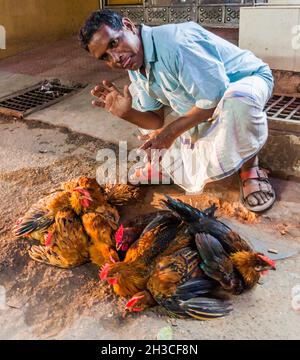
202 72
141 101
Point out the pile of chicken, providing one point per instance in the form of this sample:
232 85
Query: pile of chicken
75 224
180 258
183 259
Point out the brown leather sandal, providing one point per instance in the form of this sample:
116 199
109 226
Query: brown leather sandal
261 185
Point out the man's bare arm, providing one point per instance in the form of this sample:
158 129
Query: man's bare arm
165 138
111 99
146 120
191 119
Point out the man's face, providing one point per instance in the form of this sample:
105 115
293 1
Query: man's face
120 49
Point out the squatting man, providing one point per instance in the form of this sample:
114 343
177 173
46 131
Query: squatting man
217 90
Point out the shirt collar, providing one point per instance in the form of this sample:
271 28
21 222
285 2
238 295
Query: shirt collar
148 45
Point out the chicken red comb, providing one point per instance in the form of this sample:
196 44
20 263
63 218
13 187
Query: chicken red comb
84 192
19 221
119 234
81 190
137 309
113 281
48 239
17 226
133 301
268 260
86 201
104 272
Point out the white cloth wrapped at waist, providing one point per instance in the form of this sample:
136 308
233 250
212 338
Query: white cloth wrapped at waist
214 150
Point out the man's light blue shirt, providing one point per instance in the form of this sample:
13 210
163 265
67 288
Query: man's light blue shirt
188 66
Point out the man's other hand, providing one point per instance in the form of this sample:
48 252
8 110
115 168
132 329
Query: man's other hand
111 99
157 140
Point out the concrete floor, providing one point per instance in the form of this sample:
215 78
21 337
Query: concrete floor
45 302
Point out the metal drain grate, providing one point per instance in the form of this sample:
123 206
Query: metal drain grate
281 107
36 97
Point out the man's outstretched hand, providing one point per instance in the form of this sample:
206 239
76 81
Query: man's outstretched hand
111 99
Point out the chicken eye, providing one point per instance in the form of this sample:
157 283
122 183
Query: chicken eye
114 43
104 57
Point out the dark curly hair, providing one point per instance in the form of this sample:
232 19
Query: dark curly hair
94 22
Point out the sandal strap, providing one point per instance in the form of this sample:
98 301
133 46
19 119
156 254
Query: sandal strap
258 186
261 185
254 173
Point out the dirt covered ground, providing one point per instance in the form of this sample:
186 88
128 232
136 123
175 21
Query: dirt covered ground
43 302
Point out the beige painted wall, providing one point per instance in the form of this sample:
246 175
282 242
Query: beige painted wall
273 34
31 23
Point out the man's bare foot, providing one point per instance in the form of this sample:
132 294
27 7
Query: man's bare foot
257 193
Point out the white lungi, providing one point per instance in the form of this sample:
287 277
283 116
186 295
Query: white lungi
217 149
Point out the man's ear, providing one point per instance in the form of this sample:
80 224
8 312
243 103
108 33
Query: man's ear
129 25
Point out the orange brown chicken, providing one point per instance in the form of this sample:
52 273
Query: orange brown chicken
129 231
85 202
226 257
66 243
221 260
131 275
181 288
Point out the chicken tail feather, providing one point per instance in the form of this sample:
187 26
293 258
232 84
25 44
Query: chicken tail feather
195 287
26 226
185 211
211 252
203 308
161 220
